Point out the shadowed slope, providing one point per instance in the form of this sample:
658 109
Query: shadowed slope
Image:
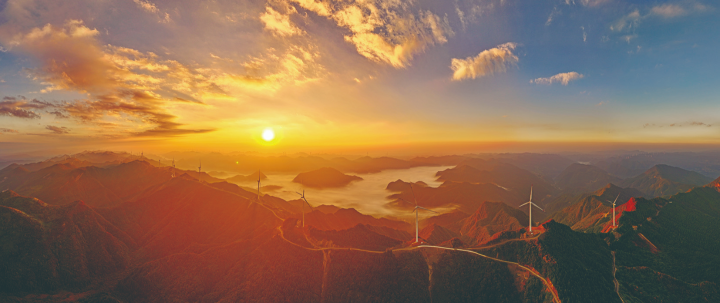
45 248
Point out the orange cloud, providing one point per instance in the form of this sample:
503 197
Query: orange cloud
278 23
120 82
58 130
383 31
20 107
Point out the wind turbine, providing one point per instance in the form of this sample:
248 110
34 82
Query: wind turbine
416 210
531 204
618 196
302 196
200 167
173 168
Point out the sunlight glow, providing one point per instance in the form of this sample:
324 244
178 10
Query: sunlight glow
268 134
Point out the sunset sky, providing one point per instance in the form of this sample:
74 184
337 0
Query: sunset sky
212 75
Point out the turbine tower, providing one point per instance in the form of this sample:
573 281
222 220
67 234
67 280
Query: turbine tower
302 196
200 167
173 168
531 204
258 196
618 196
416 210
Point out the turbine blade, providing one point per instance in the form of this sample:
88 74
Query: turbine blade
531 192
308 204
413 193
618 196
524 204
401 199
533 204
427 209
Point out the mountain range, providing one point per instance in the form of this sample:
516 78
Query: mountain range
101 237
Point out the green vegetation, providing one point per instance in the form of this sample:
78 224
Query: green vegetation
685 234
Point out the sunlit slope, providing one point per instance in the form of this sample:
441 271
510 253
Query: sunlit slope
663 180
185 215
489 219
591 211
101 187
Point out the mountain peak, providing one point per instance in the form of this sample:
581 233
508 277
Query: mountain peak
491 218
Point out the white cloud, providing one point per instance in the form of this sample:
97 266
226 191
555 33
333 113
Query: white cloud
627 22
563 78
488 62
668 10
593 3
553 14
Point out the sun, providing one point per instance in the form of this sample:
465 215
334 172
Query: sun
268 134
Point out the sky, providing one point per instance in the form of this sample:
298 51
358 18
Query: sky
357 75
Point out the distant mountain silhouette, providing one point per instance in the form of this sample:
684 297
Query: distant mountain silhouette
463 195
664 180
515 180
249 178
242 163
324 178
580 178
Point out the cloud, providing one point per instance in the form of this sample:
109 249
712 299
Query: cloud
668 10
152 8
592 3
58 114
471 14
8 130
20 107
686 124
555 12
383 31
58 130
121 83
278 23
627 22
563 78
487 62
